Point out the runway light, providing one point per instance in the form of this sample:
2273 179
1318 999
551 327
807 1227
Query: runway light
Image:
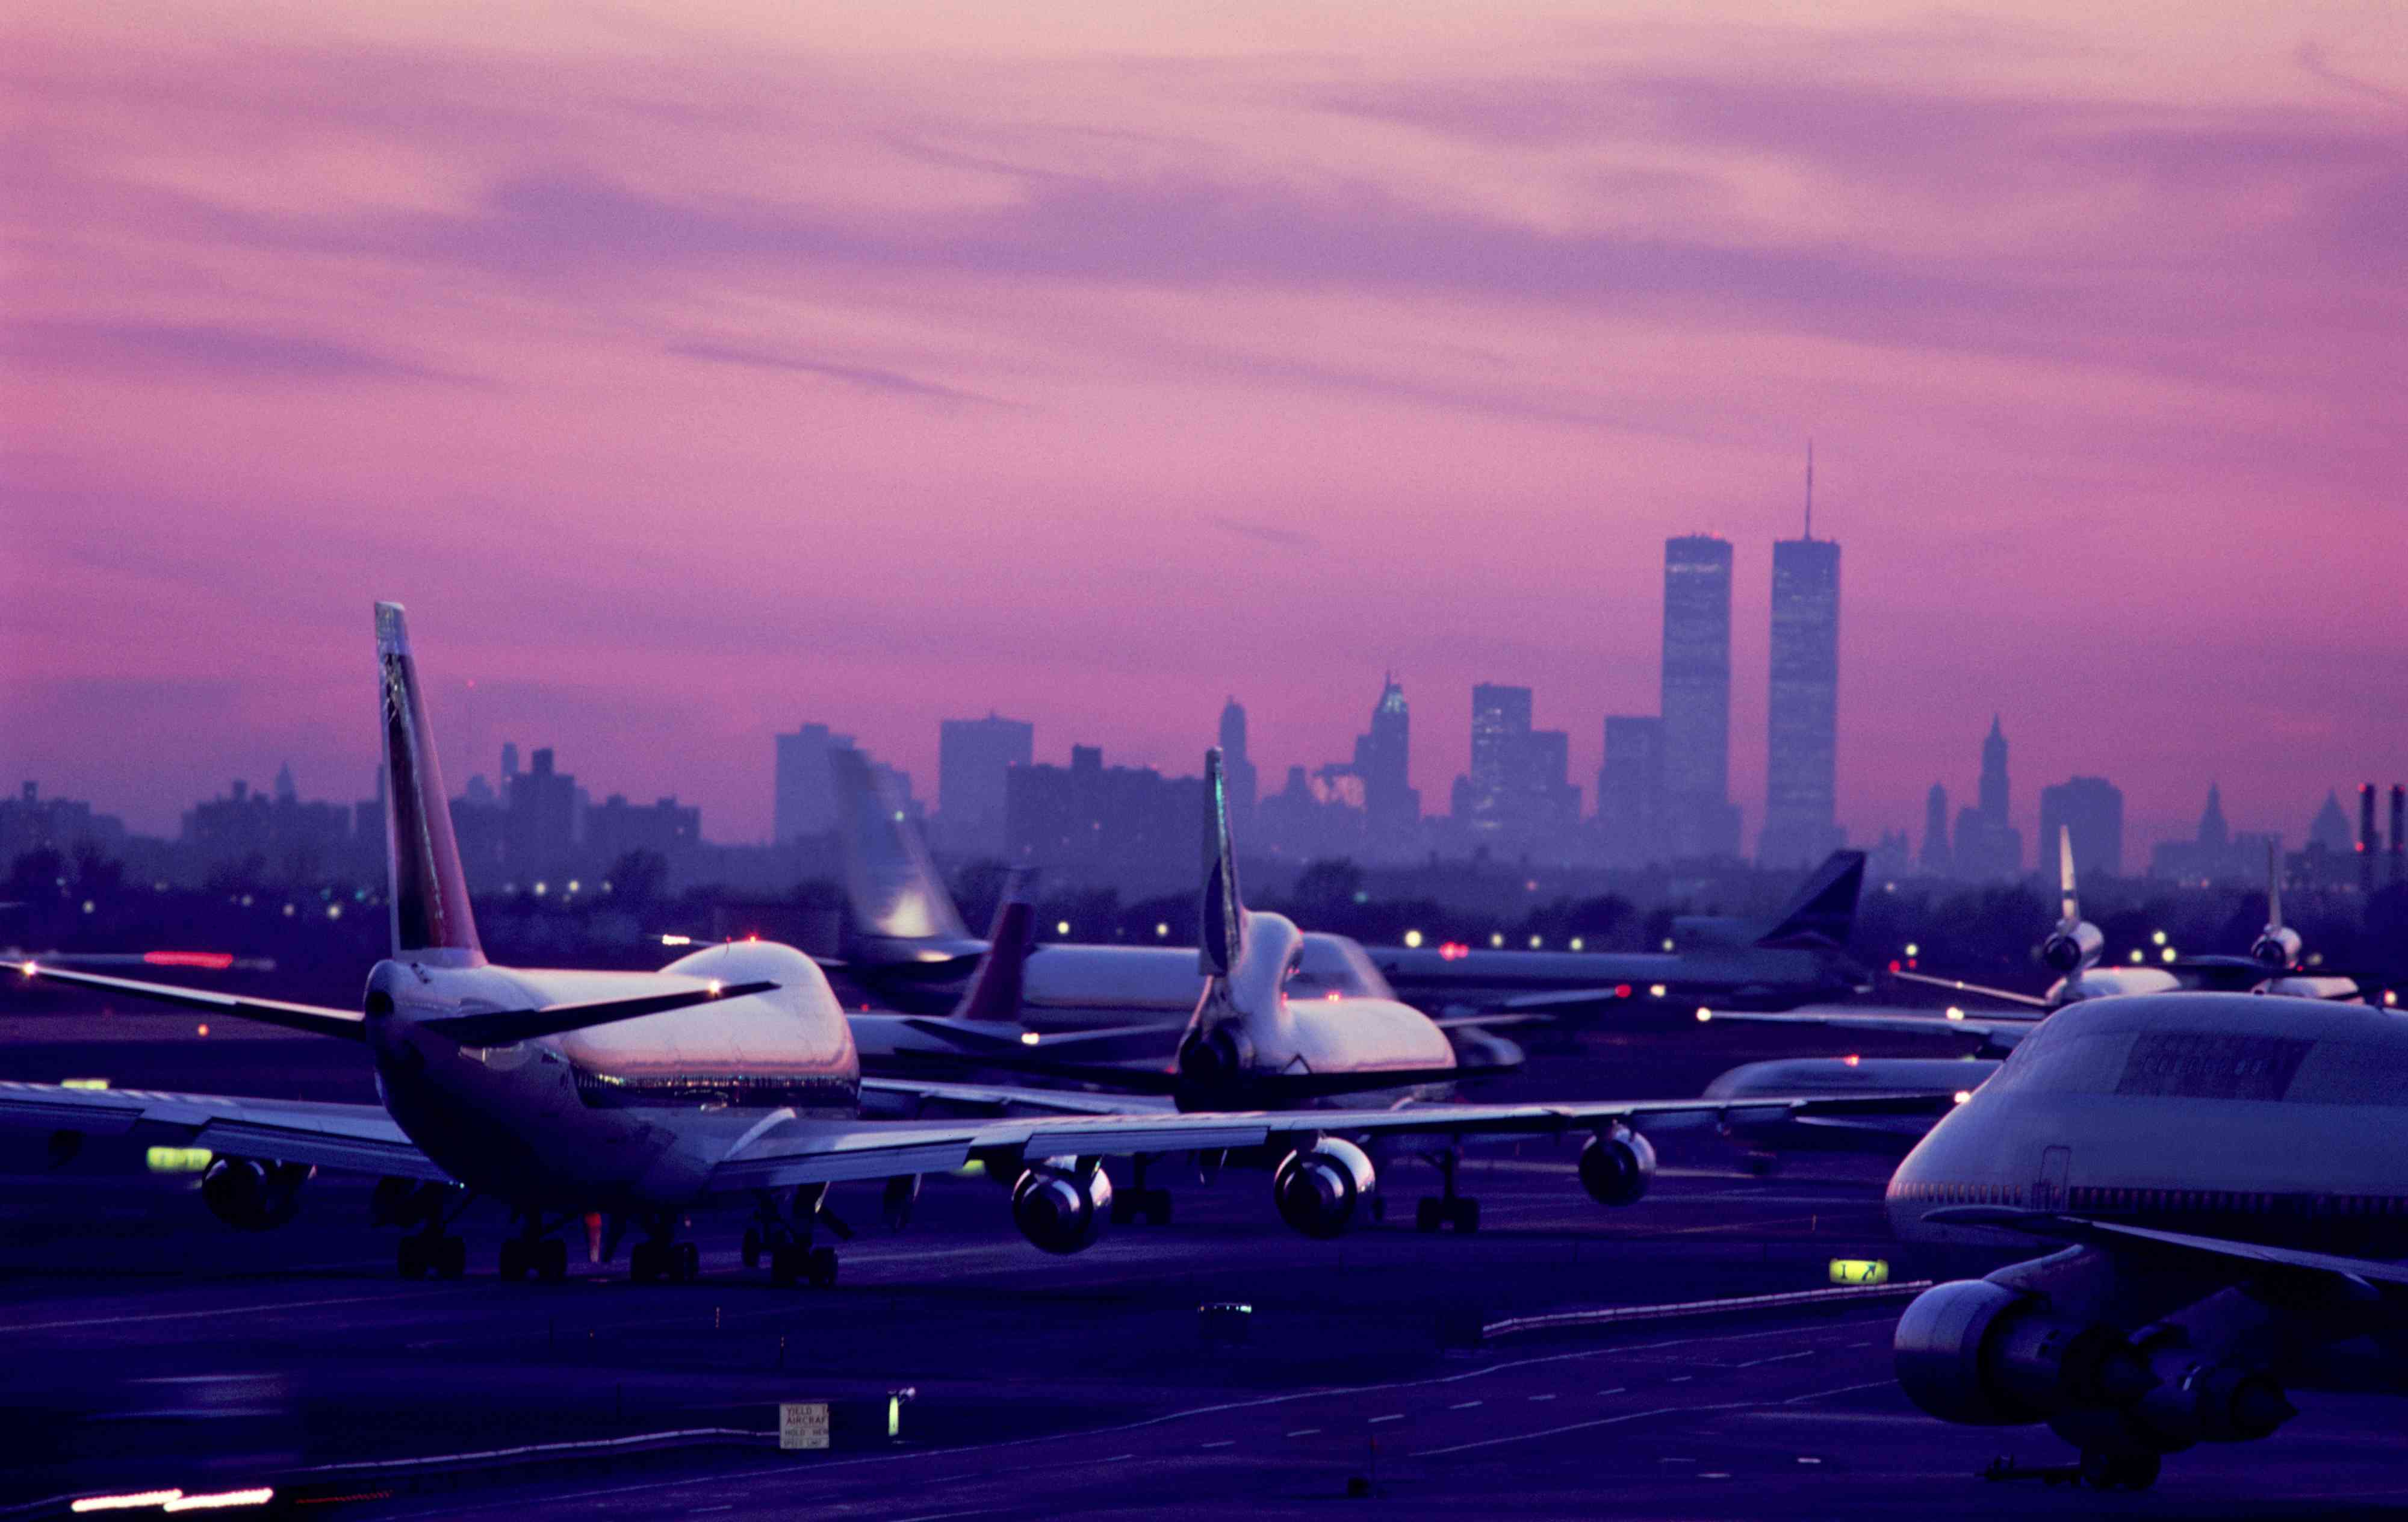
1851 1060
1667 942
1963 1095
1859 1271
87 906
2390 998
1161 931
676 941
1655 990
1413 941
2157 938
1537 941
1496 938
259 1497
1453 950
1579 944
126 1503
288 912
2169 954
1029 1038
201 1029
2136 957
1622 990
542 888
1913 949
83 1082
574 884
1956 1013
1061 927
1704 1015
219 961
334 911
1333 996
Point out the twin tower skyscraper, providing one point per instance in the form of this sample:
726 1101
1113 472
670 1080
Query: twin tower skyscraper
1664 792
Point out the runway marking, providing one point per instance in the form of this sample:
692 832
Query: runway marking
1618 1389
1784 1358
1542 1398
227 1310
1466 1405
1635 1417
1118 1458
1680 1379
1225 1443
1304 1432
1392 1416
699 1510
1805 1458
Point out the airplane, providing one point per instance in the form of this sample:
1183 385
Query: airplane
730 1073
2217 1183
906 946
2273 967
1801 956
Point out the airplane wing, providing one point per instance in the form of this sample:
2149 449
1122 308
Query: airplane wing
809 1151
2113 1234
361 1138
909 1096
1957 986
317 1019
1953 1022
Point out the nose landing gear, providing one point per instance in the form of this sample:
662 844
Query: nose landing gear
535 1252
793 1259
660 1255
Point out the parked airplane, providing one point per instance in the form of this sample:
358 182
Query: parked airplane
2218 1183
730 1073
908 949
1801 956
2073 948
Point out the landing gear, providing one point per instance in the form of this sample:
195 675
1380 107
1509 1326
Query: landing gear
1449 1209
1140 1204
660 1257
793 1259
2105 1471
1762 1164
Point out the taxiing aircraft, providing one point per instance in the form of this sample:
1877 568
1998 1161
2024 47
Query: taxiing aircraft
730 1073
2217 1183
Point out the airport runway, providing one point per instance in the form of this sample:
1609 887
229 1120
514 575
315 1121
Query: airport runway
149 1344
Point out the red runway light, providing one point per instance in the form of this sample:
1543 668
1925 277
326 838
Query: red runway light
219 961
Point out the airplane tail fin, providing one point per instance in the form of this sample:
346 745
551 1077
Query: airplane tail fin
1221 931
994 992
1825 911
892 885
429 894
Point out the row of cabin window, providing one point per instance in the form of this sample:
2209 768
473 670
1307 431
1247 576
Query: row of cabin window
2231 1201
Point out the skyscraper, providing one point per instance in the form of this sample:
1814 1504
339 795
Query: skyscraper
2092 810
1934 859
1803 714
1630 789
1384 759
1238 770
1988 847
973 757
805 800
1699 820
1500 733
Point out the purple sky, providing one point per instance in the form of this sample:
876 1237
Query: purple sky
690 378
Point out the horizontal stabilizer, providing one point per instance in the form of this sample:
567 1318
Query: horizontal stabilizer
993 993
317 1019
500 1027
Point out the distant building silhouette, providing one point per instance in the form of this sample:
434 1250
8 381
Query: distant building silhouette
973 758
2092 808
1244 784
1698 818
1631 790
1988 847
1802 716
1935 858
281 839
29 822
1500 735
615 827
540 838
2216 853
2330 827
1384 759
1124 824
805 800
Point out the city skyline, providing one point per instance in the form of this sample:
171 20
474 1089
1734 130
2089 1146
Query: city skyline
1103 364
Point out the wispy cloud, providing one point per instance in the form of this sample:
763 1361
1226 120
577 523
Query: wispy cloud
867 376
196 348
1263 533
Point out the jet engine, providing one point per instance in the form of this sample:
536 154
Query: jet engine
1061 1207
2068 951
2198 1399
1213 1063
1617 1165
250 1194
1319 1189
2277 950
1985 1355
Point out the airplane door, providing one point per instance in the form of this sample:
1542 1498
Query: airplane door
2049 1190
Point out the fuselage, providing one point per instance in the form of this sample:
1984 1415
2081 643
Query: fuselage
626 1116
2256 1117
1737 976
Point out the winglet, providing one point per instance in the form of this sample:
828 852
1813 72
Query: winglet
1221 932
1825 911
995 989
429 894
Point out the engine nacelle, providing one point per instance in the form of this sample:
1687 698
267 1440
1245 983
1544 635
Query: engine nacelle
1981 1353
1617 1165
252 1194
2276 951
2199 1401
1319 1190
1213 1066
1060 1207
2068 951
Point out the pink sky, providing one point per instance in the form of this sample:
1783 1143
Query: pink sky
690 378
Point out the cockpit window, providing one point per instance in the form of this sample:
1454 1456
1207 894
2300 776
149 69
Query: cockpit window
1335 965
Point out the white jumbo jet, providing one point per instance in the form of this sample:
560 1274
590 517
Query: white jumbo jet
2216 1185
730 1073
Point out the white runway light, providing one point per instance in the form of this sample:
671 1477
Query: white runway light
130 1501
223 1500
